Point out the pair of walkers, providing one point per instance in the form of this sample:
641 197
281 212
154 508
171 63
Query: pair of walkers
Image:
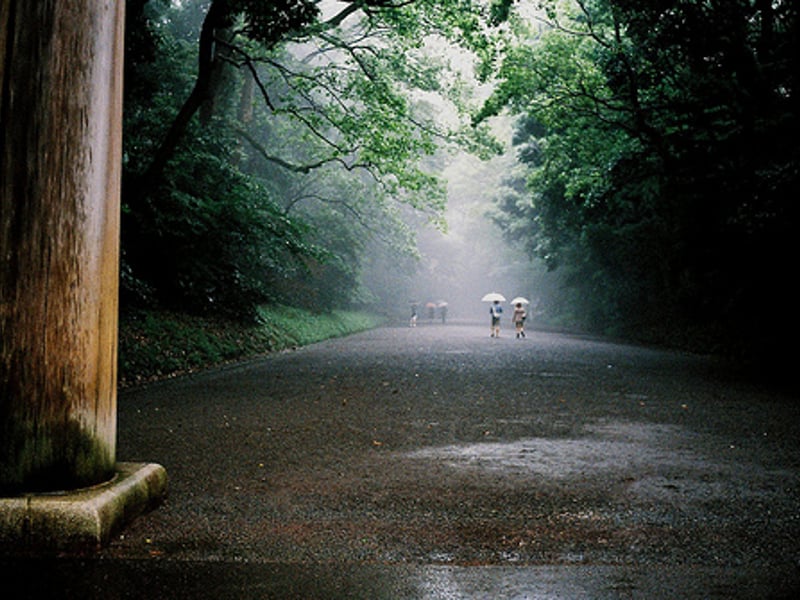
518 317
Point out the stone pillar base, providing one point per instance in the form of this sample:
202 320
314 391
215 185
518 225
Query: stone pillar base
81 520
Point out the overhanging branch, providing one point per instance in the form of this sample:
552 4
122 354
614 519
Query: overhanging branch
302 168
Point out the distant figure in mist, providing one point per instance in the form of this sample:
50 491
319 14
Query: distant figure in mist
443 309
519 319
495 310
413 321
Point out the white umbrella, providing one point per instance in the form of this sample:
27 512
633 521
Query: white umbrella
492 297
520 300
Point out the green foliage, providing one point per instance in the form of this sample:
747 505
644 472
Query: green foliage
158 344
663 164
210 238
297 327
270 22
309 135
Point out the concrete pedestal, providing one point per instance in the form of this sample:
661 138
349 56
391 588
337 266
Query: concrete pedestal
83 519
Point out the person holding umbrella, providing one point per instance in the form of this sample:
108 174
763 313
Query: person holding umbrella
519 315
442 306
495 311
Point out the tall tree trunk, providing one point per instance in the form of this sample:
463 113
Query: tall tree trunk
60 159
200 93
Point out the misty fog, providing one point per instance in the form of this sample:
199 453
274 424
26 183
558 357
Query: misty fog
467 260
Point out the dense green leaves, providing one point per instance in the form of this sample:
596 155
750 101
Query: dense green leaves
268 143
661 140
270 22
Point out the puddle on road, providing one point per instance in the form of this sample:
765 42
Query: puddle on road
605 448
658 460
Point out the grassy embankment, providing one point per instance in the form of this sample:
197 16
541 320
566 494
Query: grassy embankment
156 344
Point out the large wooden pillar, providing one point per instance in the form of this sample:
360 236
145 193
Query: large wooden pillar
60 157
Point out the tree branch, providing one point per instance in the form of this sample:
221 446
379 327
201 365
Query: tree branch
301 168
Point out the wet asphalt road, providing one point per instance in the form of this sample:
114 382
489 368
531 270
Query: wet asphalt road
436 462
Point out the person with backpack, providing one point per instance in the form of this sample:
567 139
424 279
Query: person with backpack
495 310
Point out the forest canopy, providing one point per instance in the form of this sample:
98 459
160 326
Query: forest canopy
270 145
272 149
661 145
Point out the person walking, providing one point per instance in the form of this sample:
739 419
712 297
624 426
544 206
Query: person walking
519 319
495 310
